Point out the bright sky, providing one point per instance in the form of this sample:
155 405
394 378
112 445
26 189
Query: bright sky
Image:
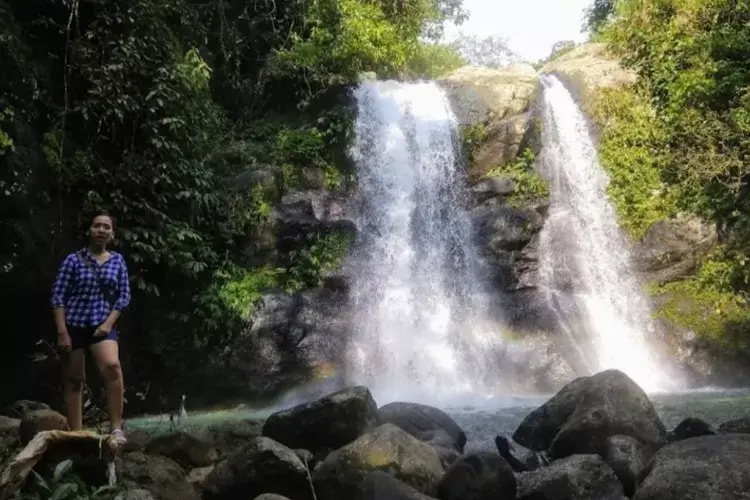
531 26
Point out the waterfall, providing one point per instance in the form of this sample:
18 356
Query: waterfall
419 328
585 270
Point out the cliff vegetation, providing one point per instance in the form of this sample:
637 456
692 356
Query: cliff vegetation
189 121
677 142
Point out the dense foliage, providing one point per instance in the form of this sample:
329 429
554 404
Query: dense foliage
160 111
528 185
679 141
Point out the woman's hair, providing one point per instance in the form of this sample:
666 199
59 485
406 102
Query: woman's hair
103 213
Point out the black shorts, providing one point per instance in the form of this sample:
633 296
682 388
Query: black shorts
82 337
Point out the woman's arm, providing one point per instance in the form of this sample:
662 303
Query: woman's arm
60 289
123 294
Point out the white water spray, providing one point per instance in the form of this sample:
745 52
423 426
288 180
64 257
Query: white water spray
420 332
585 269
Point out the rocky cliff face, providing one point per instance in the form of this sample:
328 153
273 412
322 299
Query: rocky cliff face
588 68
499 101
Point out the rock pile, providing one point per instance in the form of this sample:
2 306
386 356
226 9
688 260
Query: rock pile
598 438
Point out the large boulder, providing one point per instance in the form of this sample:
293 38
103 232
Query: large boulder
478 476
230 436
41 420
261 466
328 423
20 408
386 448
499 101
186 449
737 425
628 458
672 249
291 336
579 477
418 419
702 468
161 476
585 413
689 428
379 485
588 68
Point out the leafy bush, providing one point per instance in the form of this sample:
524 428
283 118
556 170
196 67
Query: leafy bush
529 185
64 485
631 150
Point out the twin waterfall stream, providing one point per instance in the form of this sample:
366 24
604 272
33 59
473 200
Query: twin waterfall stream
420 299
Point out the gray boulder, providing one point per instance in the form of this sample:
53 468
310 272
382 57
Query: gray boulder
386 448
579 477
261 466
327 423
701 468
478 476
585 413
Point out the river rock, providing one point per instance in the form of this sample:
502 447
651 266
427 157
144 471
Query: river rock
379 485
589 67
20 408
442 443
230 436
628 458
186 449
161 476
135 495
9 425
261 466
688 428
672 249
41 420
328 423
386 448
519 458
740 425
138 439
701 468
418 419
578 477
478 476
587 411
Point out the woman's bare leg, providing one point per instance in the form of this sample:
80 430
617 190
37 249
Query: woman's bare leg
107 358
74 374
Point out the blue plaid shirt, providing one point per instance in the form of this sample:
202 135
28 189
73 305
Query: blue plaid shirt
77 289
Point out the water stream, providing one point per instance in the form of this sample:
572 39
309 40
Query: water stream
420 330
585 270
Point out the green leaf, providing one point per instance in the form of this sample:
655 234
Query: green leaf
64 491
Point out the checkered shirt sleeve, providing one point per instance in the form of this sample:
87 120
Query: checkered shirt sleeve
76 289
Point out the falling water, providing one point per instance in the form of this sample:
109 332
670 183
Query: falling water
419 331
585 269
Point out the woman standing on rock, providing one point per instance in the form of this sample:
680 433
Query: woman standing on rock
91 290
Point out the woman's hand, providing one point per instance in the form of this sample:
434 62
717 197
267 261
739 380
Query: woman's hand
64 344
103 330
